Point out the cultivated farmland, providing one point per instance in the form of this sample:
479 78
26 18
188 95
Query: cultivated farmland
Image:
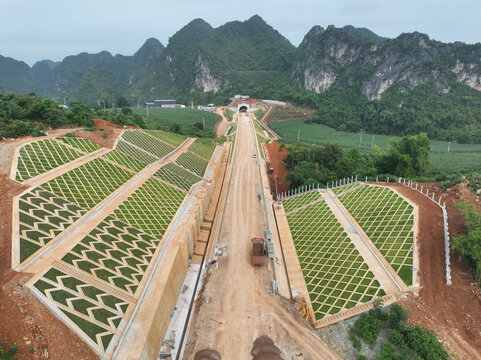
462 158
186 116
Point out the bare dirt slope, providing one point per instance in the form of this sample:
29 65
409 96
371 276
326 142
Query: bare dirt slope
453 312
276 157
240 309
105 137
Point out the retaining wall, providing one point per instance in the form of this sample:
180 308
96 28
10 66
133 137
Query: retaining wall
144 336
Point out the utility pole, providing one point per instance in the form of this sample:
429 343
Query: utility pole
372 143
138 105
192 104
113 105
360 138
104 104
449 145
64 101
203 123
147 107
298 134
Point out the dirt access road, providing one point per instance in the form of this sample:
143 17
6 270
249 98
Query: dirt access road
240 309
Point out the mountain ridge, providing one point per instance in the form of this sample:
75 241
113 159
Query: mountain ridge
332 69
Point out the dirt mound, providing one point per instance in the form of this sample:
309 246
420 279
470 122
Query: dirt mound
276 162
249 101
105 137
453 312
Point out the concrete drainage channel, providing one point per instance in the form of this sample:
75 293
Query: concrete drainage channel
175 337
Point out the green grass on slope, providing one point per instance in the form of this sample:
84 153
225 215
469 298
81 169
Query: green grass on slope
461 158
186 116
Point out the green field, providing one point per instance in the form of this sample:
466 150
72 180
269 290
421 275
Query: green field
186 116
462 158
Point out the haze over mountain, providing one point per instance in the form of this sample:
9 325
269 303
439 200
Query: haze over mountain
206 64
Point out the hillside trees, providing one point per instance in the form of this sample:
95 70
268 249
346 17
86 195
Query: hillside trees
469 243
407 157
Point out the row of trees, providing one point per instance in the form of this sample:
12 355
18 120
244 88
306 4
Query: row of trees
408 157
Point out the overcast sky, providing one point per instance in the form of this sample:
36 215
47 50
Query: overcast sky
32 30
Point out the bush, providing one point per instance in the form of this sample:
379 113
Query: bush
425 344
8 354
367 327
404 342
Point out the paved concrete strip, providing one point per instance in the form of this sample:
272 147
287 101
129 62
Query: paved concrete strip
366 248
293 266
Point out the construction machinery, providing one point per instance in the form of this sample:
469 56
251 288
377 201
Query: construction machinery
258 251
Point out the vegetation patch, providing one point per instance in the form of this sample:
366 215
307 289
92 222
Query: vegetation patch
177 176
388 220
203 147
400 340
125 160
89 183
41 156
170 138
84 145
460 159
151 207
148 143
192 162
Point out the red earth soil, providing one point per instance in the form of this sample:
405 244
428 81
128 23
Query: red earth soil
452 312
25 321
105 137
276 162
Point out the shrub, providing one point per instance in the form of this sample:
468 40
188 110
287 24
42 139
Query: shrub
8 354
425 344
